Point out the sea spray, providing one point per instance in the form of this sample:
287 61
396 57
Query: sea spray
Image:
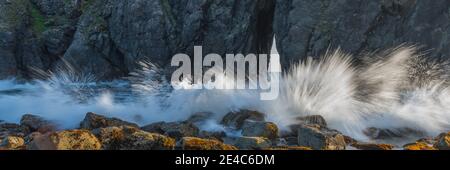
394 89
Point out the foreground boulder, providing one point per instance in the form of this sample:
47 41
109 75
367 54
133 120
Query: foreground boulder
7 129
37 123
320 138
173 129
193 143
249 143
418 146
12 142
377 133
443 141
260 129
313 119
93 121
372 146
65 140
131 138
200 117
236 119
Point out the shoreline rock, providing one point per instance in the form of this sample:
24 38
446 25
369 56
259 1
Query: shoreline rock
260 129
320 138
372 146
65 140
173 129
131 138
93 121
194 143
37 123
236 120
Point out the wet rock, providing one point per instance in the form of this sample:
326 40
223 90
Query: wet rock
94 121
236 119
372 146
289 148
219 135
37 123
313 119
291 141
65 140
13 129
349 140
173 129
12 142
249 143
443 141
377 133
260 129
418 146
39 141
199 117
193 143
320 138
131 138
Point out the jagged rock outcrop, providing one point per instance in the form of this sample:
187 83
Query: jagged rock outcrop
107 37
308 27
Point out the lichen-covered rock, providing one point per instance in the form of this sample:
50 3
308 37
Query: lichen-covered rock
320 138
249 143
65 140
260 129
443 141
372 146
75 140
193 143
236 119
131 138
418 146
37 123
94 121
12 142
173 129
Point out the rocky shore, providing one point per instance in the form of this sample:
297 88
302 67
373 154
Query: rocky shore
97 132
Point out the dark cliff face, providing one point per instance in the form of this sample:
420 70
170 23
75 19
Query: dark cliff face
107 37
309 27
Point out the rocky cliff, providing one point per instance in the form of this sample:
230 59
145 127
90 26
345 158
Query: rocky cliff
107 37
